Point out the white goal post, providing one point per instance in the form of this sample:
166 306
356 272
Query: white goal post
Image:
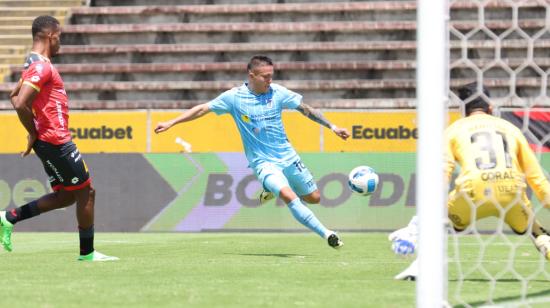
432 79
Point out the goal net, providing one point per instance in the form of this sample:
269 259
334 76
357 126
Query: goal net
504 45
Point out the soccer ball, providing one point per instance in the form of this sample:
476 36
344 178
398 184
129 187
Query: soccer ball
363 180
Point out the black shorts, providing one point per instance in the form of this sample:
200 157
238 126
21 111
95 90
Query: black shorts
64 165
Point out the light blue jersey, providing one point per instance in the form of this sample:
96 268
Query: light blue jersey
275 163
258 118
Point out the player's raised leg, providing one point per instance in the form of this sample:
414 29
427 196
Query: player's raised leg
5 231
302 213
277 181
333 239
301 182
306 217
46 203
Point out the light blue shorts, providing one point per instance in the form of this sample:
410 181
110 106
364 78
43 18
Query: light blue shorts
296 176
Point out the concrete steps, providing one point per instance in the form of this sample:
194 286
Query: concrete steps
16 39
32 12
16 18
312 89
40 3
356 53
237 13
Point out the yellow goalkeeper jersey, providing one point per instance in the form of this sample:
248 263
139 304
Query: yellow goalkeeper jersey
494 152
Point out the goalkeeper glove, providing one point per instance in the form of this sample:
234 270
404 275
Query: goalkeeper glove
404 239
403 247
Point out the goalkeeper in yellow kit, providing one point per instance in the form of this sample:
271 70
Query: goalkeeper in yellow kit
495 162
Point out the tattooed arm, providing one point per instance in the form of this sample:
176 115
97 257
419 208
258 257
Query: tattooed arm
315 115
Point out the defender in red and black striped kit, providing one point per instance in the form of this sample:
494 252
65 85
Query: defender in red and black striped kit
42 106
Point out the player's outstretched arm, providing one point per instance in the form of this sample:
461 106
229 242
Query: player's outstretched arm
189 115
21 99
315 115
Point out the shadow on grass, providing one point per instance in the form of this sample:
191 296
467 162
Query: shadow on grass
279 255
504 299
498 280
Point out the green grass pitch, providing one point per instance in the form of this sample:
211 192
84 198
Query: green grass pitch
237 270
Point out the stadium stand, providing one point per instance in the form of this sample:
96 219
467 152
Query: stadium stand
16 17
339 54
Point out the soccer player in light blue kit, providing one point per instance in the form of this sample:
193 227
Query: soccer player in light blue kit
256 106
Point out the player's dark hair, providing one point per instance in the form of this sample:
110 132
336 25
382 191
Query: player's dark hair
478 103
258 61
41 23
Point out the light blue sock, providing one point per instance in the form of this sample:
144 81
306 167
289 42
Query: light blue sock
306 217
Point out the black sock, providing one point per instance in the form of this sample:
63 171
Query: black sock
543 232
24 212
86 240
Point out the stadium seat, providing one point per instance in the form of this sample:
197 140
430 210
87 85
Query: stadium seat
338 53
16 17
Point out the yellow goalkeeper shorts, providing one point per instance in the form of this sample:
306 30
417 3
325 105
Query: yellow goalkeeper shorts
506 200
